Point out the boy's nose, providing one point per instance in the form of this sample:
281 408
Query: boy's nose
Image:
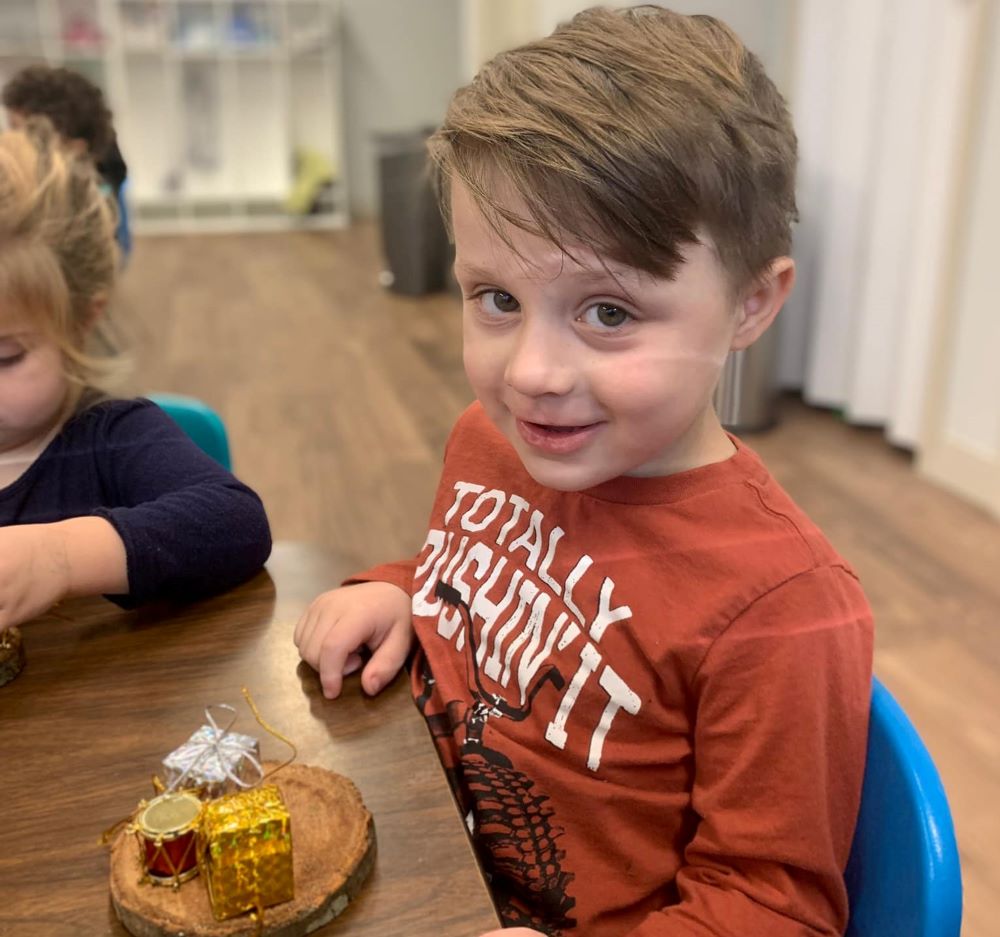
539 362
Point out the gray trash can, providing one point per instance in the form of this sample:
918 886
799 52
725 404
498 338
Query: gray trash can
747 394
414 240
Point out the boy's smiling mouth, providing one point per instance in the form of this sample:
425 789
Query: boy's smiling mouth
555 439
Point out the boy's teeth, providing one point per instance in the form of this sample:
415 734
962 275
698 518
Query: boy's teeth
557 429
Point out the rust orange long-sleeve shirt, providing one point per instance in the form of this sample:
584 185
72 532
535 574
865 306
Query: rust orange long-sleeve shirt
651 696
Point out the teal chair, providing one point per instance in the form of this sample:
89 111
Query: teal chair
903 876
200 422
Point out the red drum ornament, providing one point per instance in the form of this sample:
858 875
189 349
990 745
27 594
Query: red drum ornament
167 830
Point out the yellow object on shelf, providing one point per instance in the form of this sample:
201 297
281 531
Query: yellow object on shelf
245 851
313 170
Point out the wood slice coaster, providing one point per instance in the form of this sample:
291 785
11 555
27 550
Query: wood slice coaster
333 850
11 655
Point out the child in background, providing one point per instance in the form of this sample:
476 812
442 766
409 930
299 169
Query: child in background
647 671
97 496
76 108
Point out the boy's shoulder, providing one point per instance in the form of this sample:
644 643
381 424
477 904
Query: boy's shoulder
773 505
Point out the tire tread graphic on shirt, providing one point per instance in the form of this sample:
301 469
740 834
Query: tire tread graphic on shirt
513 826
513 830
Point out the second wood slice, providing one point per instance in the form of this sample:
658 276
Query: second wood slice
333 850
11 655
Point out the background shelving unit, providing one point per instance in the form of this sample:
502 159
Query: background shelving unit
224 108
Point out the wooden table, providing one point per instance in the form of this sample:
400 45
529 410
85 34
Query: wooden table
106 694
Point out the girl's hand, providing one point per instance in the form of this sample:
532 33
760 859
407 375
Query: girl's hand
41 564
339 623
33 572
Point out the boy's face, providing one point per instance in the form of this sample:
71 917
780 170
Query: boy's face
33 385
590 377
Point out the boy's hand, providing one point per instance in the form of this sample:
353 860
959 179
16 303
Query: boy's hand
339 623
34 573
40 564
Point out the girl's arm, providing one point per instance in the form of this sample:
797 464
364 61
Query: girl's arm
41 564
127 506
94 556
189 527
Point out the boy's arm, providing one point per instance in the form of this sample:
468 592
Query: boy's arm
370 610
364 613
781 728
338 625
399 573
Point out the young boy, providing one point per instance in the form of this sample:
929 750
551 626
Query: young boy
77 109
647 672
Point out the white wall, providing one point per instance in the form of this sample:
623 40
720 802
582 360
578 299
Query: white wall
961 444
765 26
402 61
490 26
880 89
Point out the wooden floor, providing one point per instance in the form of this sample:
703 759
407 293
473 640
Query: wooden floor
338 397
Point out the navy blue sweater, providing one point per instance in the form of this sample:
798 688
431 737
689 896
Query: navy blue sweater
189 527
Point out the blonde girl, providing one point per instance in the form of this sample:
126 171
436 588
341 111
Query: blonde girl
97 495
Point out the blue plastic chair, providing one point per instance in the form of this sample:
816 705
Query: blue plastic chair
123 232
200 422
903 876
123 227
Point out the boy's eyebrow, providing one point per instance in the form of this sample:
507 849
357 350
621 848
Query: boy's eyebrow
472 270
583 273
603 274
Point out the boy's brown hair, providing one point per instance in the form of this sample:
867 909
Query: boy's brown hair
631 131
74 104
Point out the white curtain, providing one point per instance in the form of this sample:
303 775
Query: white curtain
878 93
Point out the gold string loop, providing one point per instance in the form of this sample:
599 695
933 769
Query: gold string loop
274 732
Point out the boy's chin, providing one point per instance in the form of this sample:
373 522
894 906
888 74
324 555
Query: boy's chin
562 476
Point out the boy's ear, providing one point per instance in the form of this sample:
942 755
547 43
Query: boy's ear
762 302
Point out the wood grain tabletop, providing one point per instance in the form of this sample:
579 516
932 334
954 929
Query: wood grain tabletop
106 694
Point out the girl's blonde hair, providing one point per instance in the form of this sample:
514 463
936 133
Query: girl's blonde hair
57 250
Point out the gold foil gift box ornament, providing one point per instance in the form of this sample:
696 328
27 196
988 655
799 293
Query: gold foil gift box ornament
245 851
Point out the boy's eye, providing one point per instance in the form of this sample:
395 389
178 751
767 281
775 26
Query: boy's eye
499 301
606 316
